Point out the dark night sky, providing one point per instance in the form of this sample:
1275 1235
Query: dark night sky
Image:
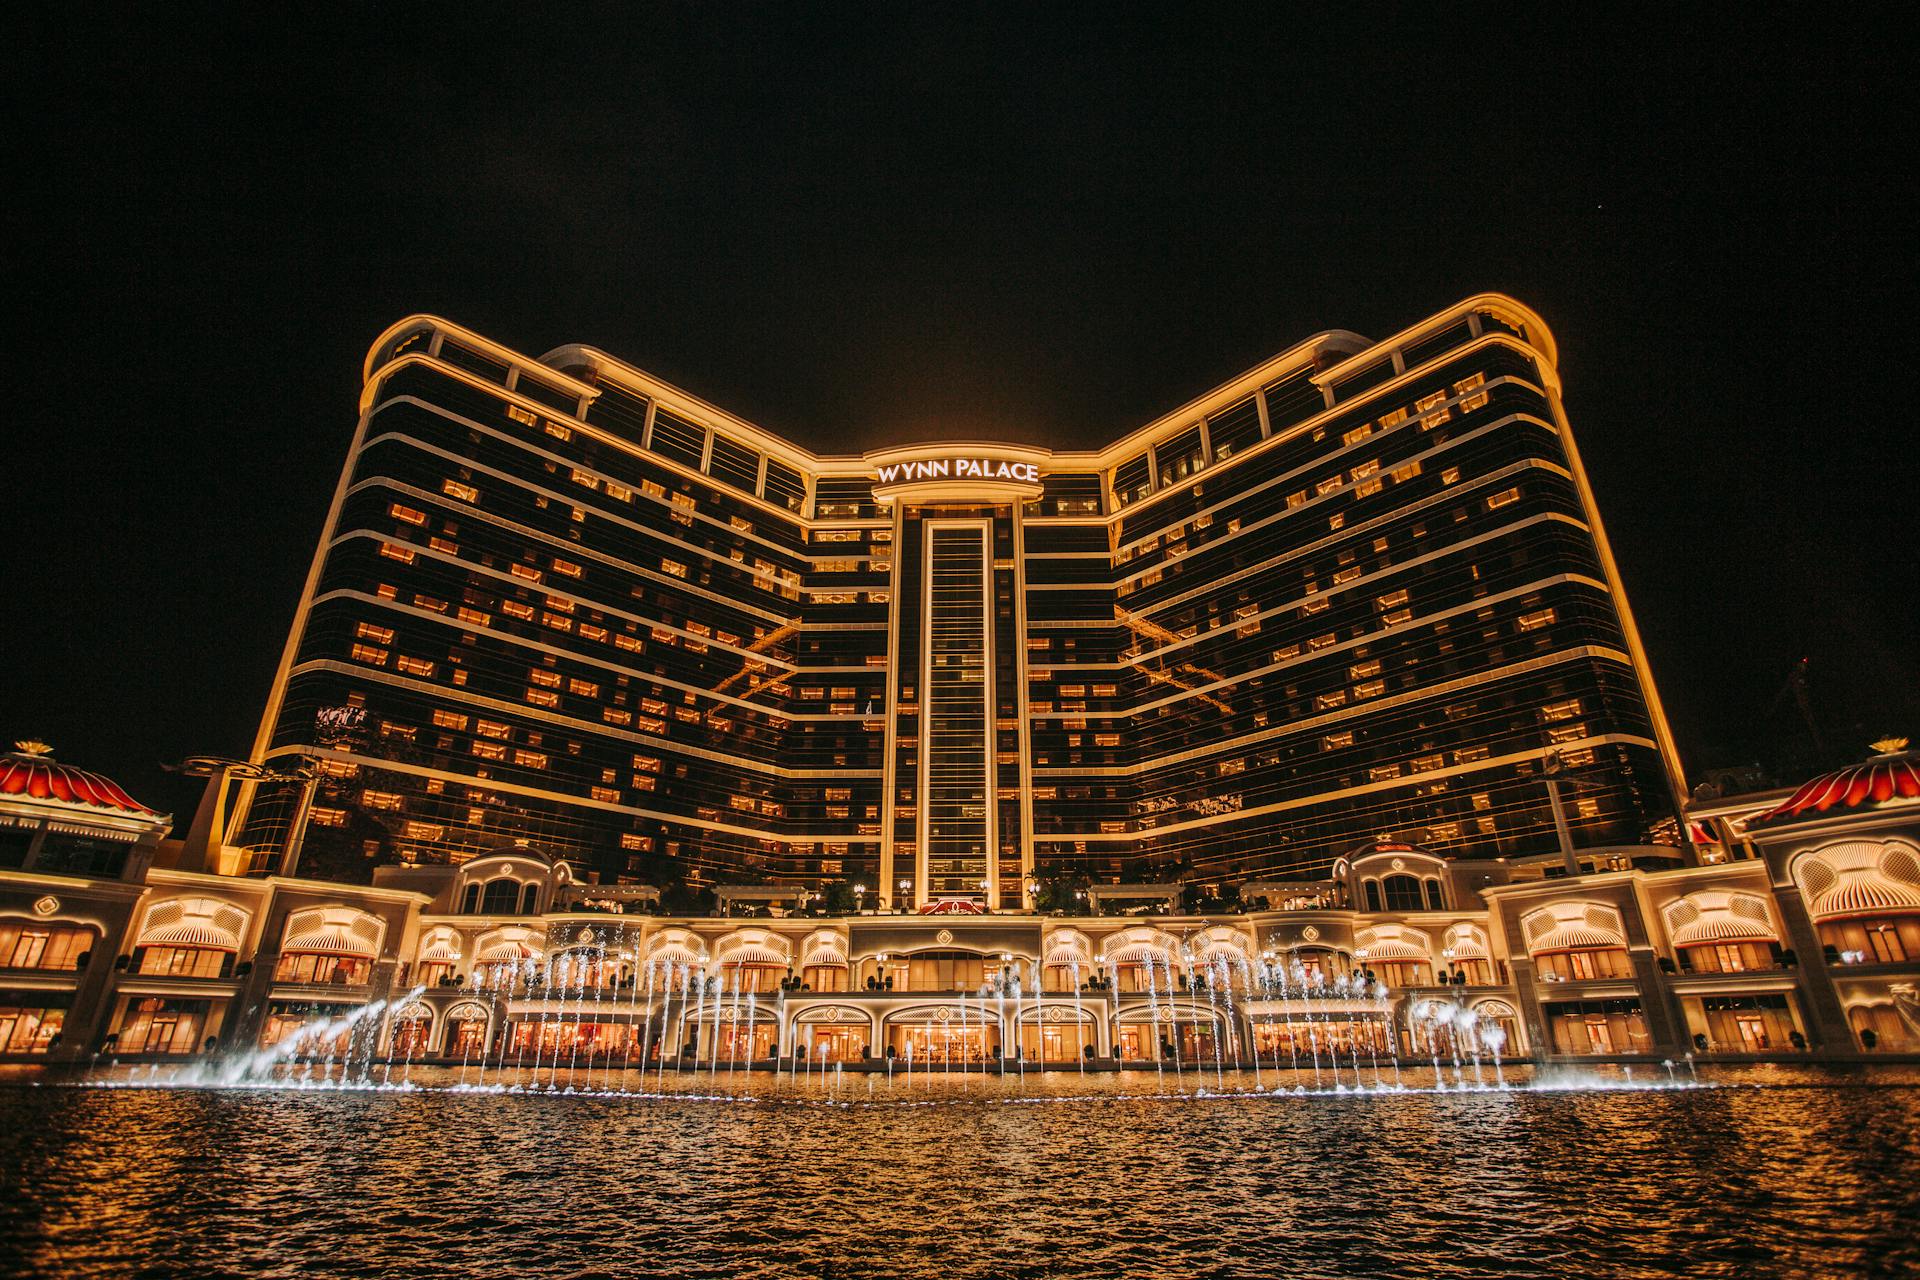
882 223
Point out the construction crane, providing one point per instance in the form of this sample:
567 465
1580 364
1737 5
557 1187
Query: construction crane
1144 631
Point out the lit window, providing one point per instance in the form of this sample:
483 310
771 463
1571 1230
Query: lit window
607 794
585 688
1402 474
407 514
367 653
489 750
674 567
1472 397
1534 621
1383 772
567 567
530 759
1358 434
367 631
414 666
1391 599
586 478
515 609
403 554
492 729
464 492
382 800
1502 498
518 414
526 571
544 676
1561 710
443 719
619 492
543 697
1335 741
1431 410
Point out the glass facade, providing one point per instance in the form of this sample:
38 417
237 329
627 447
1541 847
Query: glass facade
560 605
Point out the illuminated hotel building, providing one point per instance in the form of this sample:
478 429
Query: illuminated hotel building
1359 593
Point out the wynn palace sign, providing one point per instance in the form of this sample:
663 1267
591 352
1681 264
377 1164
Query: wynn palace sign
958 473
958 469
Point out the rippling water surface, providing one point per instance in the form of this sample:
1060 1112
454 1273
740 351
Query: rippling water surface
1773 1172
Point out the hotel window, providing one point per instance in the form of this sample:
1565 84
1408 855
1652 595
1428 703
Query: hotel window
1467 755
1561 710
586 478
543 697
1247 616
544 676
624 641
449 720
557 430
430 604
515 609
524 416
1534 621
1328 701
45 947
1358 434
385 801
530 759
1391 600
489 750
1361 670
414 666
1322 642
406 514
1297 498
567 567
674 567
1335 741
1385 773
1371 689
1282 655
1465 386
380 635
590 632
619 492
614 715
585 688
367 653
1393 418
526 571
1502 498
1448 476
1349 574
1402 474
1329 485
492 729
403 554
1432 410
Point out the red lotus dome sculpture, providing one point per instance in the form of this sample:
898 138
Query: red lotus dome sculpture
1883 778
29 772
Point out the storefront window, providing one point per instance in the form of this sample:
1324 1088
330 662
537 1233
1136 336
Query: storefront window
184 962
323 966
1582 964
163 1026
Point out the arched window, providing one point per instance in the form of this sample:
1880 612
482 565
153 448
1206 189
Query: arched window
1373 895
1436 897
1403 893
500 897
529 898
470 901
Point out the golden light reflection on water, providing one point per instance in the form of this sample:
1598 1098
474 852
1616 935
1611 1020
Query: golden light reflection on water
963 1178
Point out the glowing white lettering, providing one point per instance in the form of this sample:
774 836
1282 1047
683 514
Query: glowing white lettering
958 468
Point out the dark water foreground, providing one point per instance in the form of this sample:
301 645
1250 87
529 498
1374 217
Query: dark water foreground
1775 1172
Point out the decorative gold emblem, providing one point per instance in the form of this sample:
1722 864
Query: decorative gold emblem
46 906
1311 933
943 937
